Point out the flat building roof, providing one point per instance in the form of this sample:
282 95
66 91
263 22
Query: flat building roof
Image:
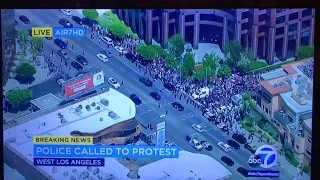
46 101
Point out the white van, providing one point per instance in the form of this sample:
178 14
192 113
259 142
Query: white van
224 146
107 40
203 92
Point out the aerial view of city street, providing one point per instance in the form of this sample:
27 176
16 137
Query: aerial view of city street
231 88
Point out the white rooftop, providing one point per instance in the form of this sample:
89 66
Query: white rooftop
46 101
188 166
273 74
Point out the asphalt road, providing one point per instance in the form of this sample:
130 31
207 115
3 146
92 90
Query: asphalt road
178 124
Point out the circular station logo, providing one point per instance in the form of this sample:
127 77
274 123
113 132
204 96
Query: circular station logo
99 77
265 157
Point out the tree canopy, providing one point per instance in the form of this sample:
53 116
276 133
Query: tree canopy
90 13
147 52
36 44
19 96
244 63
224 71
171 62
25 70
304 52
188 64
23 35
232 51
175 45
159 50
210 63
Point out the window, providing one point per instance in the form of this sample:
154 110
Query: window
156 12
279 31
293 27
308 151
309 139
211 17
292 37
306 24
279 10
305 34
280 19
293 16
231 24
189 18
172 15
297 147
290 118
246 15
306 12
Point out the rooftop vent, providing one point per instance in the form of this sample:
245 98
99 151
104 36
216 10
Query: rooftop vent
104 101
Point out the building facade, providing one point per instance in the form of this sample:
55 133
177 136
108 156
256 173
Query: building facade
8 41
269 33
285 98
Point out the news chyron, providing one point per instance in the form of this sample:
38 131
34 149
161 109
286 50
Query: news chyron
58 32
263 160
81 151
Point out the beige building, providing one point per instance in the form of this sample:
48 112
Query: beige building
285 98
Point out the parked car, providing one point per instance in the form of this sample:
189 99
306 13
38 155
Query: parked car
107 40
208 115
239 138
60 43
24 19
242 171
197 127
169 86
113 83
108 54
66 12
120 49
233 144
76 65
63 54
168 143
65 23
193 142
155 95
135 99
249 148
207 145
131 57
177 106
103 57
227 160
146 81
222 127
83 61
77 20
225 147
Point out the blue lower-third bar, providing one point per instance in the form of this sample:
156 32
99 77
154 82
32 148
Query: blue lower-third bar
263 173
68 162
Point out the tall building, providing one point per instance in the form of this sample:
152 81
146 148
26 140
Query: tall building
268 33
8 41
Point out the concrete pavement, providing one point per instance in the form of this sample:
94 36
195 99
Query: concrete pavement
178 123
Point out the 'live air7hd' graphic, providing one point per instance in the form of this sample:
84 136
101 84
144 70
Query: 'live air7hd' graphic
58 32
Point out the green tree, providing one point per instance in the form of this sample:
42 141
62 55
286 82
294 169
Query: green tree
159 50
210 64
176 45
232 51
171 62
19 97
25 70
103 21
90 13
36 44
304 52
188 64
200 73
23 35
243 63
147 52
224 71
118 29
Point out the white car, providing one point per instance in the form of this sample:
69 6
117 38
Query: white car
66 12
103 57
120 49
221 126
195 144
107 40
197 127
113 83
168 143
60 82
224 146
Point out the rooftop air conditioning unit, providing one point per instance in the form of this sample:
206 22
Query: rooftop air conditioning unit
93 104
104 101
98 108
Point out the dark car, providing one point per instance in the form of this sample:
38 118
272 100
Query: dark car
24 19
108 54
242 171
63 54
227 160
65 23
146 81
155 95
88 22
135 99
177 106
233 144
77 20
169 86
60 43
207 145
83 61
76 65
248 147
239 138
131 57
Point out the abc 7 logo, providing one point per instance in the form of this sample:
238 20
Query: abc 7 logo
254 160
